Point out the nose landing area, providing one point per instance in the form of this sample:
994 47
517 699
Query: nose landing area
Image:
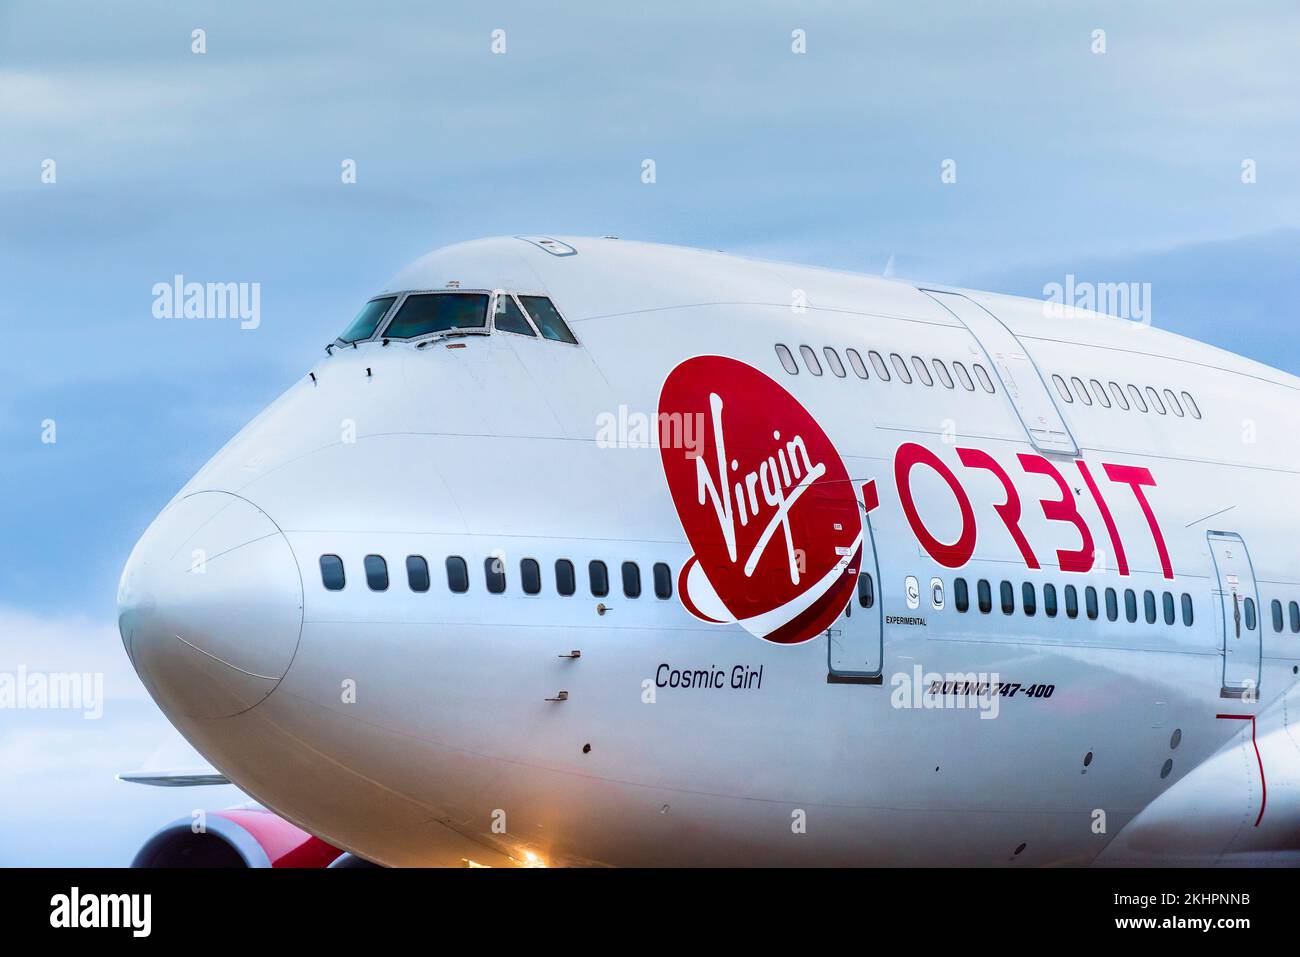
210 606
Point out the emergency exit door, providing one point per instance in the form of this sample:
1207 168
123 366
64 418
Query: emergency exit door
855 639
1017 372
1237 598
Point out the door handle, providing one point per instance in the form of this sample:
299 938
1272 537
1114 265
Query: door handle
1236 612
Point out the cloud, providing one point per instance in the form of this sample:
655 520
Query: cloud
62 803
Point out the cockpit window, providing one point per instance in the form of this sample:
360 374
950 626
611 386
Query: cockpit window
510 318
367 320
547 319
424 314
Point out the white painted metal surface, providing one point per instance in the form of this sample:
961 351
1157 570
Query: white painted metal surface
406 726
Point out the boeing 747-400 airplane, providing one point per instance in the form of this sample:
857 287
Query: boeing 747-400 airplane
583 551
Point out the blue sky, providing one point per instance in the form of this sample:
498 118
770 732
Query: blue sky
225 166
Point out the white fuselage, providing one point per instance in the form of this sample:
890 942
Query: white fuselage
420 728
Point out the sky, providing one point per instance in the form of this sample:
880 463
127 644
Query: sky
226 166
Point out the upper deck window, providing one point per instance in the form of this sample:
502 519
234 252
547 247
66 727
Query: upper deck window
368 319
423 314
942 371
922 372
900 367
855 360
787 359
547 319
879 363
810 360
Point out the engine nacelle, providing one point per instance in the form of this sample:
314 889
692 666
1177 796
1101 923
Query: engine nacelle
239 837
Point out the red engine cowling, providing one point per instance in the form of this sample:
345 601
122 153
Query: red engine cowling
239 837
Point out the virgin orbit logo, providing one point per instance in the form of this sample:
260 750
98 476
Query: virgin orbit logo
765 502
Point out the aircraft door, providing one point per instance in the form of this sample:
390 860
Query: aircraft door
1024 384
855 638
1238 602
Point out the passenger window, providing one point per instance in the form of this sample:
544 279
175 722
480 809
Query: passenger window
900 367
1130 605
985 382
810 360
663 576
961 594
1099 391
787 360
424 315
1156 404
1277 615
376 572
565 581
1118 392
598 575
985 594
457 574
1187 610
1172 401
1080 390
1090 602
855 360
1071 602
1149 606
631 580
1170 612
1049 600
530 576
494 573
1029 599
1250 614
331 572
1112 605
922 372
867 590
547 319
963 377
878 363
510 318
1138 402
366 322
1008 598
941 371
1192 407
417 573
833 360
1062 389
1294 615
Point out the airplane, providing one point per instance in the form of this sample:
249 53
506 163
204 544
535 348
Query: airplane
588 552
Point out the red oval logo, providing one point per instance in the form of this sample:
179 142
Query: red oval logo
764 499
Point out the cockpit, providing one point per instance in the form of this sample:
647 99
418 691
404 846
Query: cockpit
422 316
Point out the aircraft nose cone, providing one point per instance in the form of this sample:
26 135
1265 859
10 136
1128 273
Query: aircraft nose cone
210 606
